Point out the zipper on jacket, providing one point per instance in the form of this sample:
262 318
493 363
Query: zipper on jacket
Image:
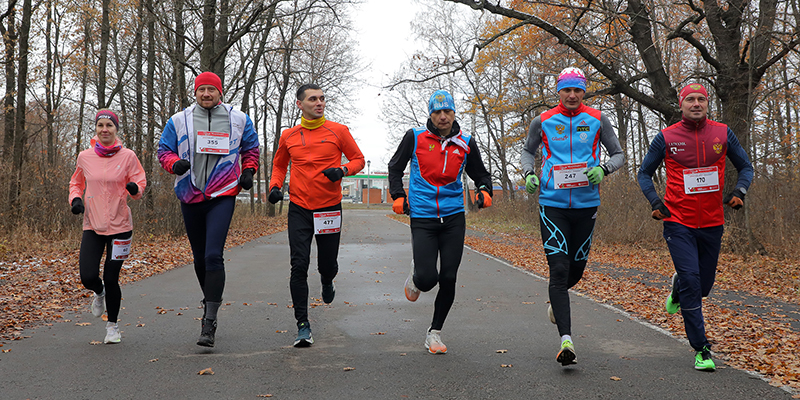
302 137
445 162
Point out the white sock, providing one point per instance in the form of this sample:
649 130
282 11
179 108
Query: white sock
565 338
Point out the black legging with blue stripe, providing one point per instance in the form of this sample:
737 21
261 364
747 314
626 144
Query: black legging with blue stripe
567 238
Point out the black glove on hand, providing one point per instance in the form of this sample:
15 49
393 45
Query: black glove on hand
181 166
77 206
275 195
735 193
246 181
132 188
334 174
660 207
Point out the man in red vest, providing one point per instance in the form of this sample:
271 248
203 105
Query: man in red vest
694 151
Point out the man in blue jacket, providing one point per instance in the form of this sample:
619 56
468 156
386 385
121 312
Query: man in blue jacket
570 136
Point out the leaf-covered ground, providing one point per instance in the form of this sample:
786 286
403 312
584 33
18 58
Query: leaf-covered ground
39 289
636 280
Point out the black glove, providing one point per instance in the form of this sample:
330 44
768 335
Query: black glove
77 206
334 174
132 188
181 166
275 195
660 207
247 178
735 193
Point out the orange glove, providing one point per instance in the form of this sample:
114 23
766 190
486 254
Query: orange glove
400 206
483 199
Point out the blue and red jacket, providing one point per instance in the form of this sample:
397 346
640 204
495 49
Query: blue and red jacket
570 136
684 147
437 163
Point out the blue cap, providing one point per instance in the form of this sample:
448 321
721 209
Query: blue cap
441 100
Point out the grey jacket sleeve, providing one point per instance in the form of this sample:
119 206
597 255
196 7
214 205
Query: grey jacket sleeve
610 141
532 143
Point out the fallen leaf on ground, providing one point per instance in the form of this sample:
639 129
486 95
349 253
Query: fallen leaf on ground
616 378
206 371
501 351
349 368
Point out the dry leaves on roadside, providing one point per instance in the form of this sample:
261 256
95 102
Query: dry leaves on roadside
206 371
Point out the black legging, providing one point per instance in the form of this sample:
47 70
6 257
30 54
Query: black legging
92 246
567 238
434 238
207 225
301 231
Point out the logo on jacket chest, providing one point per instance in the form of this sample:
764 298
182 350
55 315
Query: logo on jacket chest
675 147
717 146
431 147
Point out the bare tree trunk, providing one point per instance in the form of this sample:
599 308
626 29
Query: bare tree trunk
9 111
87 37
105 29
138 123
20 134
180 54
48 87
149 153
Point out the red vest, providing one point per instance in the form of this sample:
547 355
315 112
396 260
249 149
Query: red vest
691 145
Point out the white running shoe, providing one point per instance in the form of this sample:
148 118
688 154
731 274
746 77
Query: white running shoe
112 333
433 342
550 314
412 293
99 304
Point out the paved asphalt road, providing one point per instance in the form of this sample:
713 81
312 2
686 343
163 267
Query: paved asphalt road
369 342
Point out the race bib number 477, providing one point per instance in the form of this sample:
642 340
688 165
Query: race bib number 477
327 222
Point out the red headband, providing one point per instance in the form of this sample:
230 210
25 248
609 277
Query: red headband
689 89
106 113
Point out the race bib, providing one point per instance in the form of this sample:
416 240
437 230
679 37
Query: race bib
700 180
570 176
213 142
327 222
121 249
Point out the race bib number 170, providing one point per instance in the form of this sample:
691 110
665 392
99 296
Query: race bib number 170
700 180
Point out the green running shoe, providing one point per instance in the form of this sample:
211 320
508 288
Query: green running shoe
566 355
703 361
673 304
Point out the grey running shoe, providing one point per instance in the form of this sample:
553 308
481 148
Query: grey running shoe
112 333
304 338
99 304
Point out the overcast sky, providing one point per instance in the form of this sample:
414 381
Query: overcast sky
384 28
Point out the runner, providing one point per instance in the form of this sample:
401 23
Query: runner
570 135
315 148
203 145
692 208
105 175
439 153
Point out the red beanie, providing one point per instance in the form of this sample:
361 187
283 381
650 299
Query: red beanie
208 78
689 89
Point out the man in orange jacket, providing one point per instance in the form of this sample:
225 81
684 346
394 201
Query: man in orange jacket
315 148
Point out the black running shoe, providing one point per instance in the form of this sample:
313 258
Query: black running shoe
207 333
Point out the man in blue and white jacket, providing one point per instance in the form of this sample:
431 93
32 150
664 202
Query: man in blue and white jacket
570 136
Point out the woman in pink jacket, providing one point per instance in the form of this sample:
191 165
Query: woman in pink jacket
105 175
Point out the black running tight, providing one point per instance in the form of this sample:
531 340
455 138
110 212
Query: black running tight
92 247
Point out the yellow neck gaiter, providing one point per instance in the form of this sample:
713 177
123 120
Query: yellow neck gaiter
312 124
